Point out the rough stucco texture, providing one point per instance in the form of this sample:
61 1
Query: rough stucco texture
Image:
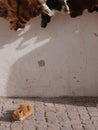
61 60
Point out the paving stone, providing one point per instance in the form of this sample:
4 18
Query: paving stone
8 105
72 112
41 128
39 111
6 117
92 111
29 101
4 128
41 125
95 123
84 122
49 107
89 127
51 117
76 125
94 118
66 128
53 127
65 115
62 117
18 101
29 125
83 113
60 108
5 123
63 120
17 125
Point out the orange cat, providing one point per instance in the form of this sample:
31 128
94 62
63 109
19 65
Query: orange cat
23 112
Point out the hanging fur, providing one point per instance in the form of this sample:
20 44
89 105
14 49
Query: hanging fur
53 5
19 12
78 6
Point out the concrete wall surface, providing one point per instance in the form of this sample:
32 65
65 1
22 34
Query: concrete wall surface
61 60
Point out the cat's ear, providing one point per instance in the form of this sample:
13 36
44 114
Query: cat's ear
28 108
20 111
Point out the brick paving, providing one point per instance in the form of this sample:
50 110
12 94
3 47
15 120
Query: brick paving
69 113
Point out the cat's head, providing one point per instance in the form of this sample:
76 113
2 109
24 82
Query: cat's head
19 113
22 112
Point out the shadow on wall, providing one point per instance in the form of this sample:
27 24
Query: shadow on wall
44 60
35 73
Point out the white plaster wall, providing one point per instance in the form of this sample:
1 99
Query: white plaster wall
69 49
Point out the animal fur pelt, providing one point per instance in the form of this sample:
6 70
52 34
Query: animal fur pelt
19 12
93 9
78 6
8 10
53 5
74 8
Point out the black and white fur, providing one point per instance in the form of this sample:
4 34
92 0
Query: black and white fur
58 5
93 9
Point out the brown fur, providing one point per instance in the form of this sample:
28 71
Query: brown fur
78 6
23 112
19 12
28 9
8 10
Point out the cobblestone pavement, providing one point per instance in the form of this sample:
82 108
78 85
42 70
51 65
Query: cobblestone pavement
51 114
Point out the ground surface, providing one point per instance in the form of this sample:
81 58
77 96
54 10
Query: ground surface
51 114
